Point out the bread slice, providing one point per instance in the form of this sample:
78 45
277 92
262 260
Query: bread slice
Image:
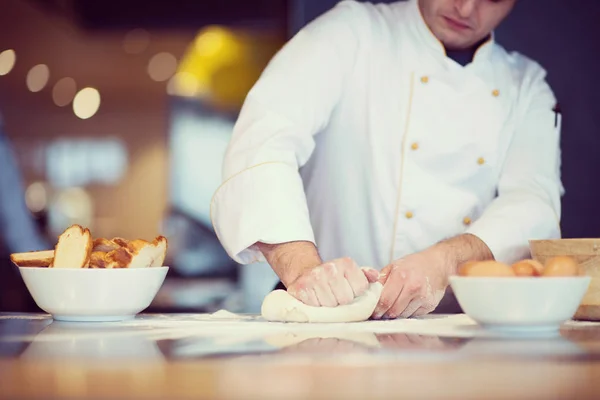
134 246
142 256
119 258
33 258
104 245
120 242
160 251
97 259
73 249
146 255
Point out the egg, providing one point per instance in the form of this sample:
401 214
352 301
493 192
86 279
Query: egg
527 268
561 266
490 269
464 269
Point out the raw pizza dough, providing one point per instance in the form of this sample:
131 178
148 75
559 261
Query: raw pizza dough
281 306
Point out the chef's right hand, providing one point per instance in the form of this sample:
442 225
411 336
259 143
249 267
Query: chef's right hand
312 281
333 283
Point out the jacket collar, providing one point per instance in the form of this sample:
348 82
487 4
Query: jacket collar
426 37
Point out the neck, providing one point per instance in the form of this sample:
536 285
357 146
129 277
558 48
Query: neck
472 47
464 56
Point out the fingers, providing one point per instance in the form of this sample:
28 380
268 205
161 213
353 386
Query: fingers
371 274
334 283
411 308
354 275
401 294
306 295
321 277
391 291
425 309
384 274
338 284
411 290
311 298
325 296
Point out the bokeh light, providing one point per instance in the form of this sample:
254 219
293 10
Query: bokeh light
36 197
64 91
185 84
86 103
7 61
38 77
162 66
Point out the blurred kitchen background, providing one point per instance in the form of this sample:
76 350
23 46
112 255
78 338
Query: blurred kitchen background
118 114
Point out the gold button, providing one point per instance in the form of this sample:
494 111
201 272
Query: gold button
496 93
481 161
409 215
467 221
424 79
415 146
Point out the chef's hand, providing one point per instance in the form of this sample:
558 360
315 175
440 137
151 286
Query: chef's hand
415 285
412 286
334 283
313 282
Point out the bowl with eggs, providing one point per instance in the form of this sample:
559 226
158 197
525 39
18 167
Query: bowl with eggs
528 296
87 280
586 252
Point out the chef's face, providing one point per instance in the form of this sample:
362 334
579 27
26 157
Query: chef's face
459 24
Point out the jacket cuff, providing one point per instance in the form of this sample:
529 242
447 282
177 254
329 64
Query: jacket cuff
264 203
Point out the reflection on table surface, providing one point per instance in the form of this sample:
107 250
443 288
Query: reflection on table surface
202 353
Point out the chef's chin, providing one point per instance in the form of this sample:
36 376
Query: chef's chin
457 39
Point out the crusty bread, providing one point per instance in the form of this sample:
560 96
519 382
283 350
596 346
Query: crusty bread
33 258
97 259
147 254
160 251
134 246
120 241
76 249
119 258
104 245
73 249
142 257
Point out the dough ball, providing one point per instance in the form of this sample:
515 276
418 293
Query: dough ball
281 306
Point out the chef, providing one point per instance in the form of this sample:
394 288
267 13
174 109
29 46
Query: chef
400 137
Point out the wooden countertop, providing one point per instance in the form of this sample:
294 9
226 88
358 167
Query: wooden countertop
201 356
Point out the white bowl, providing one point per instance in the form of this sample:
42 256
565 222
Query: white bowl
520 304
93 295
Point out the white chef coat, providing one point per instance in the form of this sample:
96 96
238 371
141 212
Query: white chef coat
364 138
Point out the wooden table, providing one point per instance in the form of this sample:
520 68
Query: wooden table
201 356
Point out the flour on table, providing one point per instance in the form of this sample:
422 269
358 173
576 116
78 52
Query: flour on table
281 306
224 314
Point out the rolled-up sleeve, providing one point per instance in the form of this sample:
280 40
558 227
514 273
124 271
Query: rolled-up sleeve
528 205
262 196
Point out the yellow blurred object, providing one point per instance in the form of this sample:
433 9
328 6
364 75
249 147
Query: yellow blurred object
221 65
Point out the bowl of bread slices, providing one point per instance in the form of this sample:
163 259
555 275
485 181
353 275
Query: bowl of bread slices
87 279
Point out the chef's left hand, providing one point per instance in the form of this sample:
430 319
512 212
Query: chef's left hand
413 285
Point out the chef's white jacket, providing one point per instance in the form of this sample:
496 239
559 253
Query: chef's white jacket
362 137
